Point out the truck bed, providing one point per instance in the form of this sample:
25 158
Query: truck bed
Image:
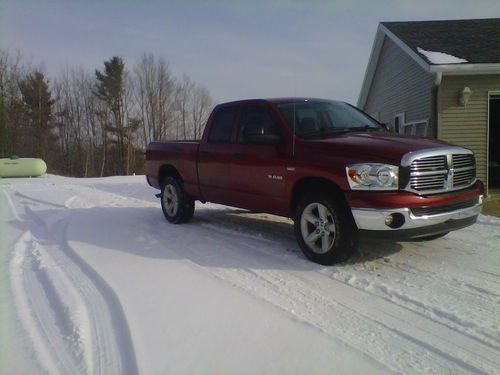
180 154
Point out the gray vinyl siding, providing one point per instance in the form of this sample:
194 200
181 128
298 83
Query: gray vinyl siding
467 126
400 85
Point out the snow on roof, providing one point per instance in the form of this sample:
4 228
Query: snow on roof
440 57
475 40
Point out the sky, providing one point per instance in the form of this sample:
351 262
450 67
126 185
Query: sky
237 49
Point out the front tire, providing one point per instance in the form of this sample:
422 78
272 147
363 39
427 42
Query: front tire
325 229
176 205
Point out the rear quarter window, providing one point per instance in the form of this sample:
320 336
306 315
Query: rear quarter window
220 132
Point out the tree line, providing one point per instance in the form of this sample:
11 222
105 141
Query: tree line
96 123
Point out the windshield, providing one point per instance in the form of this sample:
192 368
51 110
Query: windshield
325 119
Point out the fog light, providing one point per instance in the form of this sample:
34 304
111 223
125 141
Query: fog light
388 220
395 220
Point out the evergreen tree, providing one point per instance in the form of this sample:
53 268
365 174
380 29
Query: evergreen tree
111 90
37 103
110 87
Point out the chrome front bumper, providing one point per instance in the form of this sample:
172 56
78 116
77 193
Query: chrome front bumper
373 219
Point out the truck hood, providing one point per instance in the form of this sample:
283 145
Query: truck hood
376 145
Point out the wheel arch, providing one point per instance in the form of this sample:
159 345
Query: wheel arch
325 191
167 170
312 183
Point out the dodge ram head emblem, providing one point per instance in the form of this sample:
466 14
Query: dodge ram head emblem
451 173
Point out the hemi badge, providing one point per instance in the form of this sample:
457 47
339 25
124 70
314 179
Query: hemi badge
290 169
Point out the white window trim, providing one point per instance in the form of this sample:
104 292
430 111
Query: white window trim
403 124
414 128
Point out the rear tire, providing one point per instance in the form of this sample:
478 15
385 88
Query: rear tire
176 205
324 228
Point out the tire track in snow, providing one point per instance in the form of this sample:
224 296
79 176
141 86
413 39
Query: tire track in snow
43 308
387 285
73 317
277 287
313 296
364 321
350 274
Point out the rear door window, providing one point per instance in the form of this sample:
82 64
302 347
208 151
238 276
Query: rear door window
222 125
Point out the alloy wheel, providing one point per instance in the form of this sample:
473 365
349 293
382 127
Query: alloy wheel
317 225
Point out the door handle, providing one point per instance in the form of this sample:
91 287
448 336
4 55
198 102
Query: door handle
204 153
238 156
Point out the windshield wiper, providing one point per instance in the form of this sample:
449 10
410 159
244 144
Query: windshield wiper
361 128
320 132
336 131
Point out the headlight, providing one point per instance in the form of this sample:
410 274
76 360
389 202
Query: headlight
372 176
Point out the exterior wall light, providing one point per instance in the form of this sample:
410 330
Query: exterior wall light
465 95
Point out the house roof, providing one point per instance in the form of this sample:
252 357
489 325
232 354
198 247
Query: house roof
441 47
476 41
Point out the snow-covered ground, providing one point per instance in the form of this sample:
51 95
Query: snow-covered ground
94 280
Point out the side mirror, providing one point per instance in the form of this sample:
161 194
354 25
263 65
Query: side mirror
268 139
256 134
386 126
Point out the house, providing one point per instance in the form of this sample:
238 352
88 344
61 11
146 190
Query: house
439 79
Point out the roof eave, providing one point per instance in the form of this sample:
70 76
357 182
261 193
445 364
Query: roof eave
446 69
378 41
415 56
382 32
451 69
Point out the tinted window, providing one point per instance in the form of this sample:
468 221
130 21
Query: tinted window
222 125
322 119
257 117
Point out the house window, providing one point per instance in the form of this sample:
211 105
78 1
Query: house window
399 120
417 128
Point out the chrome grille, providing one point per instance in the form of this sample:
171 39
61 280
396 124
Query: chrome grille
421 183
463 160
439 171
464 167
463 178
429 164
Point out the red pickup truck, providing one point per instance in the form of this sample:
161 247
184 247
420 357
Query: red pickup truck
333 169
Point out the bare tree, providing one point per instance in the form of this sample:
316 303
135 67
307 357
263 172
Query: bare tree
154 96
93 138
11 111
76 120
201 106
193 105
184 93
87 124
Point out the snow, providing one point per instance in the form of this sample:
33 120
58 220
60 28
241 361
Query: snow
440 57
94 280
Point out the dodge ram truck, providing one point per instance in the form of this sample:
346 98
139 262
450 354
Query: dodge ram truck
334 170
